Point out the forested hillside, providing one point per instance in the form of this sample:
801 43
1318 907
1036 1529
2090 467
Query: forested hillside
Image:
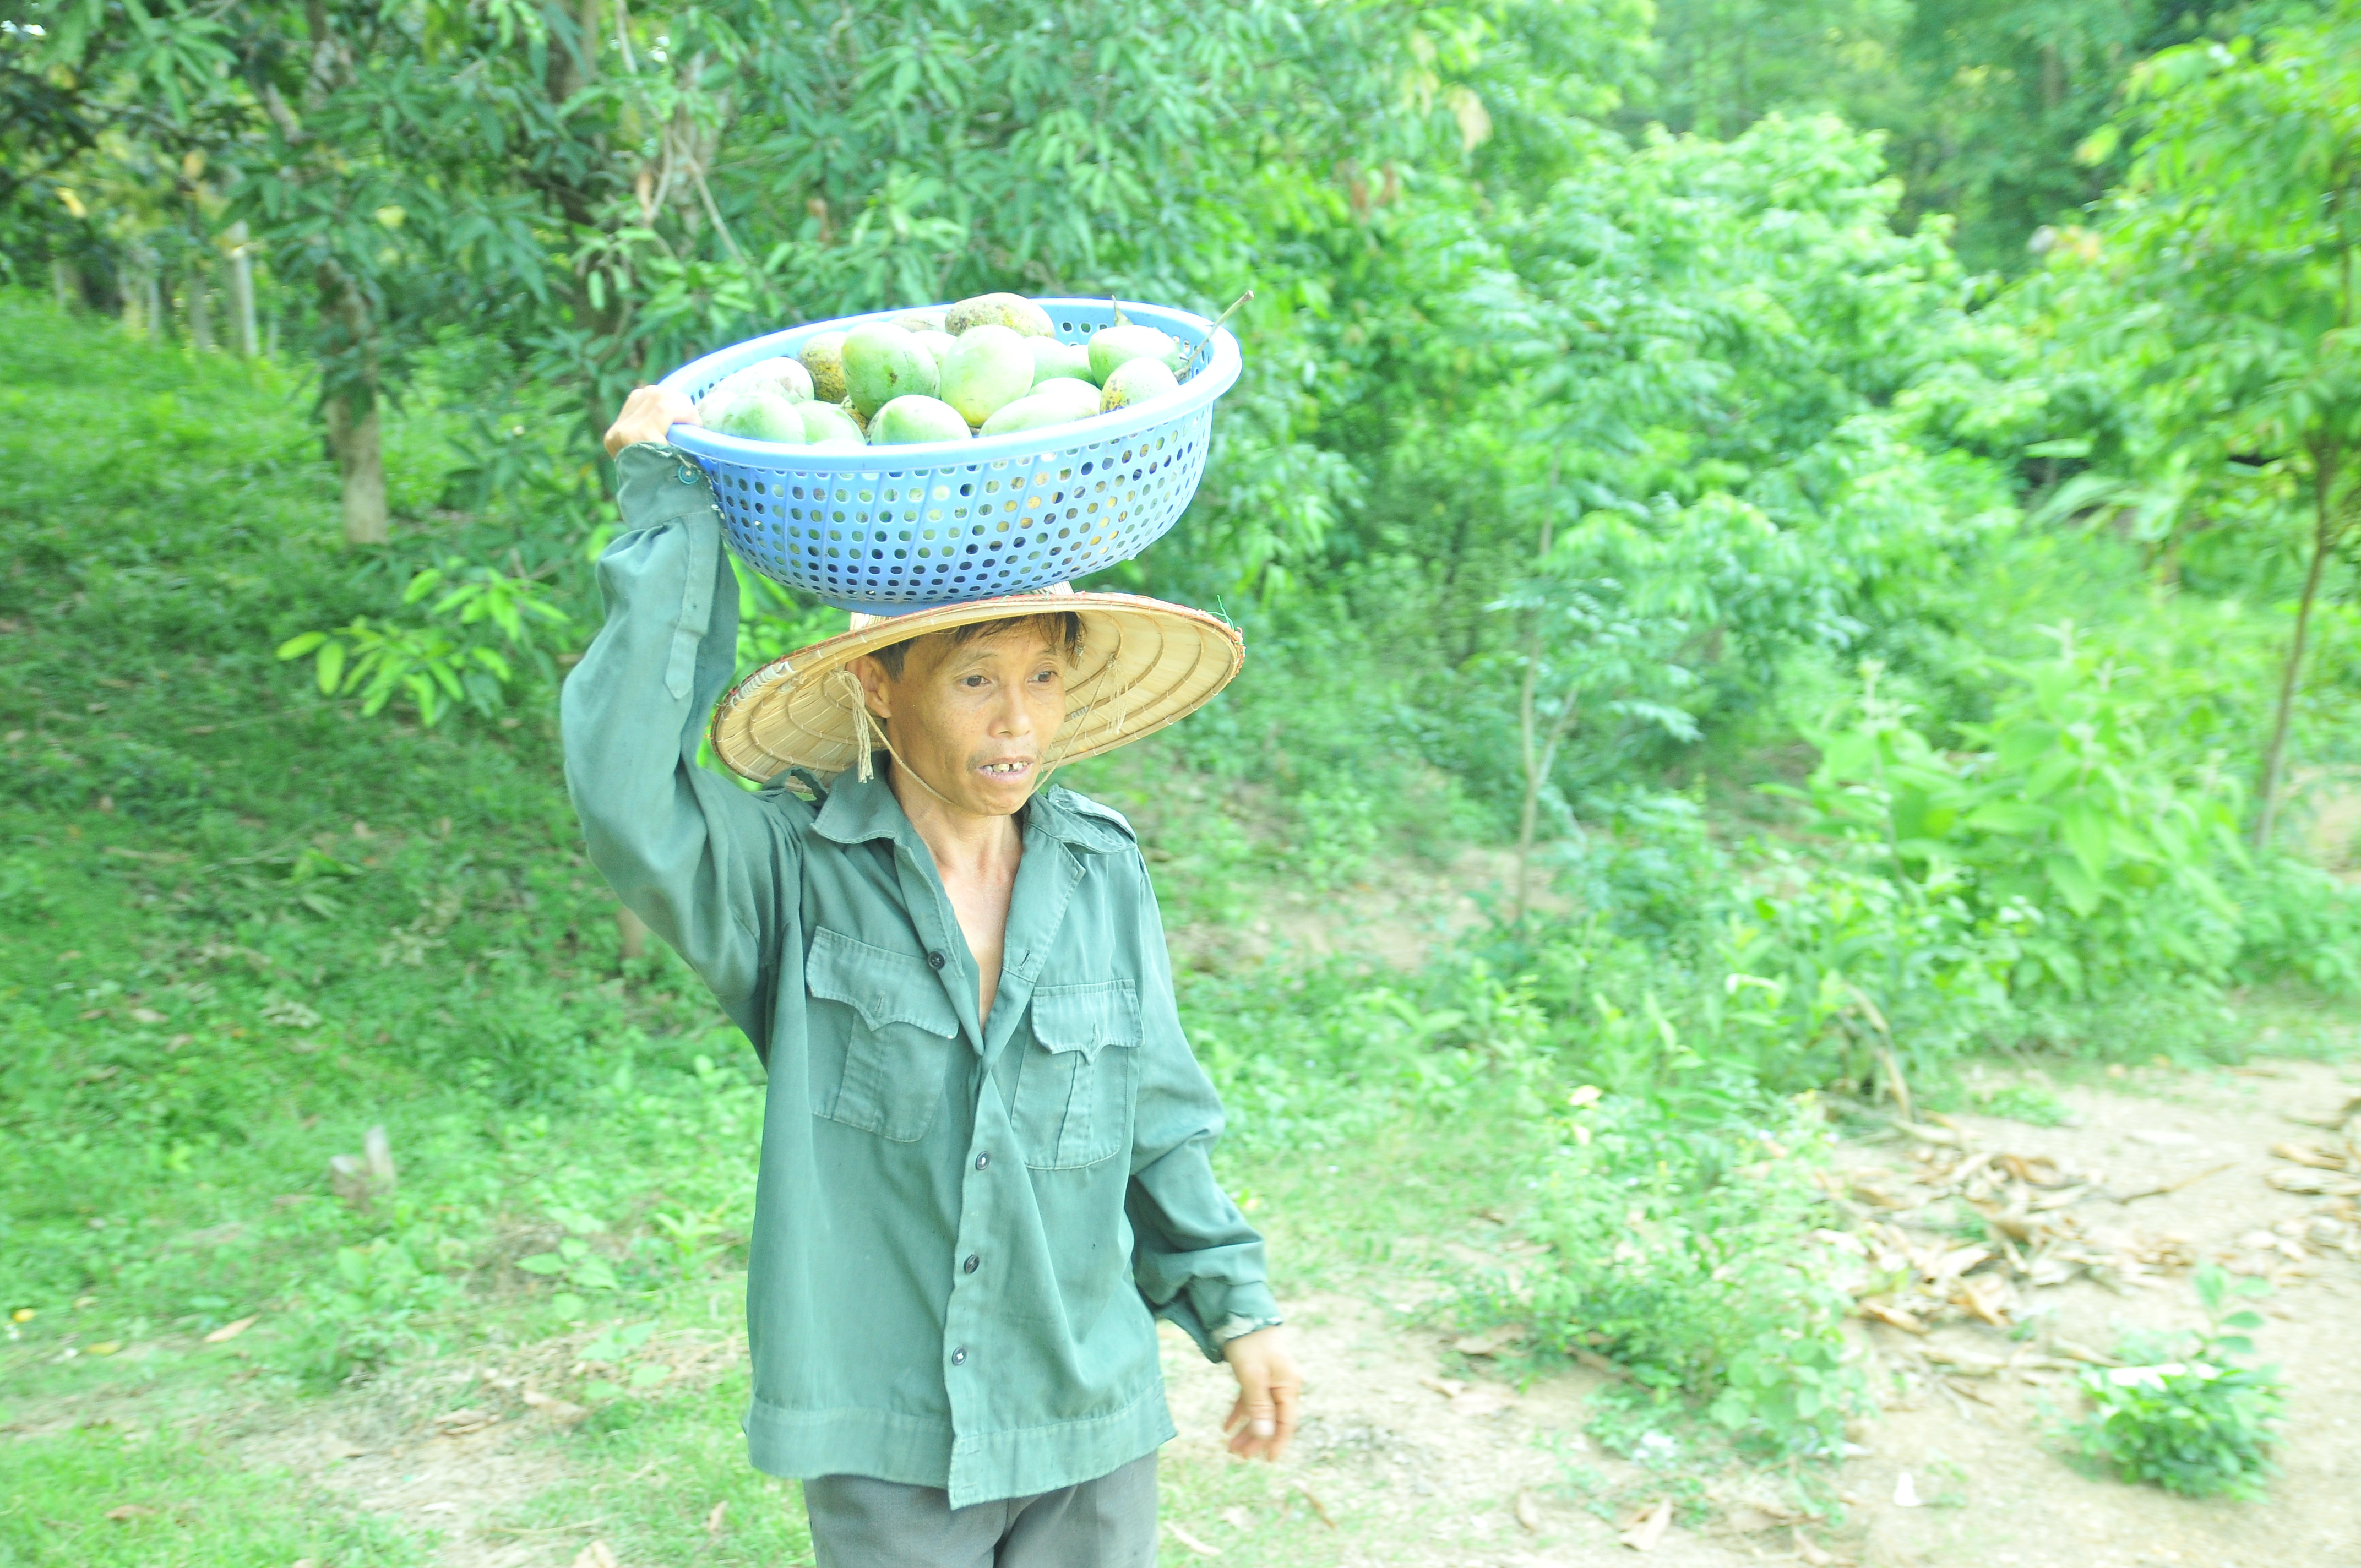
1797 569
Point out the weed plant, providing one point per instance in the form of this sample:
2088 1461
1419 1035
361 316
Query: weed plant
2184 1416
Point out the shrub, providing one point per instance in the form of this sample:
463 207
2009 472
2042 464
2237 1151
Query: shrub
1673 1250
2185 1419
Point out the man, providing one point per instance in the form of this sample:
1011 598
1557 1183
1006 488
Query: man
984 1151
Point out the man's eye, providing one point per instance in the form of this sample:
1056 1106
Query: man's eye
972 681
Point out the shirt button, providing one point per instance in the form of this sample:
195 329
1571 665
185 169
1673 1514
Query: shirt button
972 1263
958 1356
935 960
982 1160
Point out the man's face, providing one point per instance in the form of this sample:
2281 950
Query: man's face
973 717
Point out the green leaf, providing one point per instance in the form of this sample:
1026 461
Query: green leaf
301 643
542 1263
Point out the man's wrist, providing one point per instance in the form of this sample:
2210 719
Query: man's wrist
1238 1325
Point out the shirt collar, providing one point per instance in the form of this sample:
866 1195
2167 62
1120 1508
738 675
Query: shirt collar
858 810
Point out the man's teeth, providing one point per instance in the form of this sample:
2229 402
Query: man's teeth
1004 770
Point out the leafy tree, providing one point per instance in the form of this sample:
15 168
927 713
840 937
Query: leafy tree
2220 291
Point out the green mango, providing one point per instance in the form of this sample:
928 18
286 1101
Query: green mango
1015 312
914 416
1052 358
919 321
762 413
1059 401
939 344
1114 346
988 368
882 362
823 357
793 382
1136 381
715 406
1071 392
827 422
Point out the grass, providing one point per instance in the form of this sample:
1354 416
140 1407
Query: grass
104 1495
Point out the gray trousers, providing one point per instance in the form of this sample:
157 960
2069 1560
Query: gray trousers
1107 1523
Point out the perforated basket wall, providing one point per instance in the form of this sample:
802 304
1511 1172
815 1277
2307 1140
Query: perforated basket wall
898 528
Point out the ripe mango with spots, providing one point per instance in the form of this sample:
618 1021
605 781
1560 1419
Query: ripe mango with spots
1136 381
823 359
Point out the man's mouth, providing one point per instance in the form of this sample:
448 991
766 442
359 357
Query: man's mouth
1014 768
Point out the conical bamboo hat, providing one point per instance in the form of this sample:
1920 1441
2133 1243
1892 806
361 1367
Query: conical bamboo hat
1144 663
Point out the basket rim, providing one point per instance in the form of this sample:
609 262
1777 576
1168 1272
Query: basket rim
1211 381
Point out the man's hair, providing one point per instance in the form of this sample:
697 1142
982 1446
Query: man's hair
1061 627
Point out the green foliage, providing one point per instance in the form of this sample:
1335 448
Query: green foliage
2196 1423
488 619
1673 1250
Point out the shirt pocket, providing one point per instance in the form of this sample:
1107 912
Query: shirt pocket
897 1028
1075 1093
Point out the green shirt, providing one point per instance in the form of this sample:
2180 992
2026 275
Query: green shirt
964 1227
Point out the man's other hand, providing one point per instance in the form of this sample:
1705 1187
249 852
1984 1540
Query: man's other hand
1262 1423
647 415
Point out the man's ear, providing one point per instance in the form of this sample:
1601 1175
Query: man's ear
875 686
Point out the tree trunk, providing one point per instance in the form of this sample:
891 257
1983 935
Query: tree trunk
241 294
200 313
64 282
2326 527
360 460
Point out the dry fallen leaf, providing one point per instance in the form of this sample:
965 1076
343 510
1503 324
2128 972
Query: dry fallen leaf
1190 1542
1892 1317
459 1423
1236 1518
231 1331
129 1511
335 1446
1449 1388
1491 1341
1985 1296
1809 1552
597 1555
1644 1532
1482 1399
1529 1513
714 1520
146 1016
564 1412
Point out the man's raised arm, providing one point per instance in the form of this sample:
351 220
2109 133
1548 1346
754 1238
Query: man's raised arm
695 856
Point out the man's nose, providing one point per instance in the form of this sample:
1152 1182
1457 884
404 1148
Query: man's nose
1011 715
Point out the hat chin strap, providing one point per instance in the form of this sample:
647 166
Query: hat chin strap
869 733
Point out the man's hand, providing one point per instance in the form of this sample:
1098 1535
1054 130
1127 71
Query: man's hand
647 415
1262 1423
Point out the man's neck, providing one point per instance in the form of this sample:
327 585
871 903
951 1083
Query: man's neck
966 847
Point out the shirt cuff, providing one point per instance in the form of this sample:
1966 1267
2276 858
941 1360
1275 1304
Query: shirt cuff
1247 1302
656 484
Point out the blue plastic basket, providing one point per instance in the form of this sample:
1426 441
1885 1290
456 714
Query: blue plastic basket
894 529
